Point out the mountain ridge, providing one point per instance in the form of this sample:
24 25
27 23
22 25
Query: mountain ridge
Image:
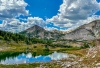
39 32
88 31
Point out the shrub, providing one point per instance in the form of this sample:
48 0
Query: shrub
35 46
86 45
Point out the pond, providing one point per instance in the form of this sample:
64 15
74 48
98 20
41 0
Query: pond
29 58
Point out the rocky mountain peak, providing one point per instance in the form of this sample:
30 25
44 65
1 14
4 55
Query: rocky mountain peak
88 31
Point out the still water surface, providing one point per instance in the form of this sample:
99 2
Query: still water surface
28 58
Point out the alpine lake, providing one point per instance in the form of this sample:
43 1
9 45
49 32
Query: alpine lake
9 58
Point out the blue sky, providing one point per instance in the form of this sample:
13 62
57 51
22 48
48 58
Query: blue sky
18 15
0 21
43 8
98 13
98 0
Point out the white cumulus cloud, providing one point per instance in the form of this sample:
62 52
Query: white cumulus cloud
12 8
14 25
73 13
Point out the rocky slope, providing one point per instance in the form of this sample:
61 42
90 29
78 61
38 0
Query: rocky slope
88 31
38 32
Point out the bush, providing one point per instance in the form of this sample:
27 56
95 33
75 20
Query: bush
35 46
46 49
86 45
1 38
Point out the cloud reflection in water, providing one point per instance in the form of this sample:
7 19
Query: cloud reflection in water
28 58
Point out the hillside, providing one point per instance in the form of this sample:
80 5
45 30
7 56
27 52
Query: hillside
16 38
8 36
38 32
88 31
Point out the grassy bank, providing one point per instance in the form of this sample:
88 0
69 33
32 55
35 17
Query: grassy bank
34 65
10 48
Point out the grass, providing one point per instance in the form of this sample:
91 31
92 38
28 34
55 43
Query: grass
33 65
37 49
81 52
21 66
87 61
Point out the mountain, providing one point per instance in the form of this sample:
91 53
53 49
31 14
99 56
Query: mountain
88 31
38 32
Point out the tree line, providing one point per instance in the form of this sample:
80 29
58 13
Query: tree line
8 36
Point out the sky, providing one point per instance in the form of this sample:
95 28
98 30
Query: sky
18 15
